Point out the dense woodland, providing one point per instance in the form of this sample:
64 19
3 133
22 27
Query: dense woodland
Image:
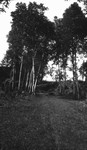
34 40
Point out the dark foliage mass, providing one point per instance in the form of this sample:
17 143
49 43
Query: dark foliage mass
4 73
34 40
29 42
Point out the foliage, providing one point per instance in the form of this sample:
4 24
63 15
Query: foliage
75 21
30 38
34 40
69 34
4 4
83 70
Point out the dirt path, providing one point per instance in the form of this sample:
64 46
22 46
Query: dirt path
45 122
69 123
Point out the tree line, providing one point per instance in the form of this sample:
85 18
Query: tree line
34 40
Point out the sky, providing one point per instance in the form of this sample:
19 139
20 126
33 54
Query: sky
55 8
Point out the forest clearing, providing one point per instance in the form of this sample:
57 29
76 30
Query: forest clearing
43 122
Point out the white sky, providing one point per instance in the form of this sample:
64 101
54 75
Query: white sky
56 8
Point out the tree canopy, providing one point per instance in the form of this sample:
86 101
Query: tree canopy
70 31
30 38
34 40
4 4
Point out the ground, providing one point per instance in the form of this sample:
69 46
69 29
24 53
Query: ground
43 122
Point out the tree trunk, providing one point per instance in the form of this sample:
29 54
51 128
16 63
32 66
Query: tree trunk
73 65
59 80
37 77
76 78
60 87
32 78
19 83
65 74
33 75
23 80
30 82
27 79
13 74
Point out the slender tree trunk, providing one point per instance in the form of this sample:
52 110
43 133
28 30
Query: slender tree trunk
27 79
23 80
33 75
65 74
59 84
32 78
37 77
30 82
19 83
76 78
60 87
73 65
13 74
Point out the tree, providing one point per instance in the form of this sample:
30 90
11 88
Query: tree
83 70
74 22
70 31
3 4
32 30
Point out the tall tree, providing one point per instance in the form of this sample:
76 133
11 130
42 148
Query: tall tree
74 22
70 31
30 29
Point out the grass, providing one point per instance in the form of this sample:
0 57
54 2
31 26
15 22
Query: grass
43 123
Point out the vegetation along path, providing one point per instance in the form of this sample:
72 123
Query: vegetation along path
43 123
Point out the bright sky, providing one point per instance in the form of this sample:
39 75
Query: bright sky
56 8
